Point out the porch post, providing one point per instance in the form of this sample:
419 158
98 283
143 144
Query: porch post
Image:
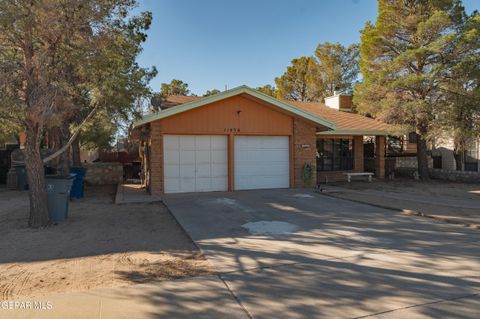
380 156
358 158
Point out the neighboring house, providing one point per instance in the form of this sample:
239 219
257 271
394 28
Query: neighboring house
339 101
243 139
444 157
442 152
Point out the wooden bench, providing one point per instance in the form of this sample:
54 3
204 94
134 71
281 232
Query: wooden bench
349 176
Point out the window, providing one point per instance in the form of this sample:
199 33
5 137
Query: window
334 154
437 161
394 145
412 137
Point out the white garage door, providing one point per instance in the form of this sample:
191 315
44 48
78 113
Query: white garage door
261 162
195 163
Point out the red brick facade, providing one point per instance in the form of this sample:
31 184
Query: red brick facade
156 158
358 158
380 156
304 151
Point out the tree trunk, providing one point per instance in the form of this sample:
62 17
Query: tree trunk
422 158
36 182
76 152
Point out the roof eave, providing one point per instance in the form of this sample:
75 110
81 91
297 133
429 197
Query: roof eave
354 132
229 93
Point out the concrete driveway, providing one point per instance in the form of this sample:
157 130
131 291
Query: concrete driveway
298 254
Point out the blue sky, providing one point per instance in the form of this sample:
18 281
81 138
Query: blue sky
216 43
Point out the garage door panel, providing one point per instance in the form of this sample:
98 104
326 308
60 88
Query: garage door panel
203 157
262 170
274 181
172 171
277 143
187 185
219 183
187 142
187 171
240 156
203 170
195 163
266 170
171 142
172 185
172 157
219 143
220 170
187 157
262 162
203 184
219 156
202 143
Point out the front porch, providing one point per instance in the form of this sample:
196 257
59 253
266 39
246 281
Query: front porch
355 152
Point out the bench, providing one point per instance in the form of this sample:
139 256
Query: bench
349 176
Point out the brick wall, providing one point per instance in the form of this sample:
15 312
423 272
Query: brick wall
99 173
455 176
379 156
305 151
358 157
156 158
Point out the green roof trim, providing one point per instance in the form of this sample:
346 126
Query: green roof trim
354 132
229 93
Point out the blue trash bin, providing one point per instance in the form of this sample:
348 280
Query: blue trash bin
78 183
58 193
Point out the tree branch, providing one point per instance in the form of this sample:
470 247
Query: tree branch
72 138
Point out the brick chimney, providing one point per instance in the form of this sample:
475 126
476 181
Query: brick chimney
339 101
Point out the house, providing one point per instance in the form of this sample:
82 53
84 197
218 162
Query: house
242 139
445 157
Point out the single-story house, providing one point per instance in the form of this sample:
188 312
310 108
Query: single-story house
243 139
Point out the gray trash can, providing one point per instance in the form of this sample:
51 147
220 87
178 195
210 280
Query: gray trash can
58 191
22 183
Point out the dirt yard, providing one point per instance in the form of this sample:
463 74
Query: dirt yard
100 245
443 200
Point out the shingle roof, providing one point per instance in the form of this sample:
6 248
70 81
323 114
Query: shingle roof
174 100
345 121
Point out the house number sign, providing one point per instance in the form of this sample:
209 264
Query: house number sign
231 129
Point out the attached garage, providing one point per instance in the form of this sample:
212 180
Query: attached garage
262 162
235 140
195 163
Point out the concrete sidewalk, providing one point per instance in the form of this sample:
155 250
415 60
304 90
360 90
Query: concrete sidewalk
200 297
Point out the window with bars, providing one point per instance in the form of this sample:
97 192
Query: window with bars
334 154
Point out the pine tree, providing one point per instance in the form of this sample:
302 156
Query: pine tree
404 57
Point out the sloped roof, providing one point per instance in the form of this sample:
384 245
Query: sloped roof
174 100
233 92
340 121
346 122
